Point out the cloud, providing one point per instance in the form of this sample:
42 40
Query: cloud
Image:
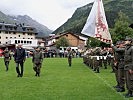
51 13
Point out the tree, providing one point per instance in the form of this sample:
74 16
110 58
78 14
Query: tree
62 42
121 28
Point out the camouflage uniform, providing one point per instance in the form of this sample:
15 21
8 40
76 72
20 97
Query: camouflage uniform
7 58
37 61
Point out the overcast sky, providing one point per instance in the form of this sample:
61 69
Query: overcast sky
51 13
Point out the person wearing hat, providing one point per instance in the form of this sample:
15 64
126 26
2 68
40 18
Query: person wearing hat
37 60
7 57
19 58
128 60
120 49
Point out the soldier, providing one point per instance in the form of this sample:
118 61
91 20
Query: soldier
7 58
120 62
128 60
37 61
69 56
115 66
19 57
97 60
104 54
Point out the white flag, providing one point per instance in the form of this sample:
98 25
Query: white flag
96 25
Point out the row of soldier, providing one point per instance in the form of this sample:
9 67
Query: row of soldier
97 57
120 58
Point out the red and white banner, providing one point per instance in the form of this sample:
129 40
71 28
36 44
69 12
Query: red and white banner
96 25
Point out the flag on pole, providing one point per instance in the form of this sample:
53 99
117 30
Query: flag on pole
96 25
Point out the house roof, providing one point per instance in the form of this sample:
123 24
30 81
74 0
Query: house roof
58 36
17 28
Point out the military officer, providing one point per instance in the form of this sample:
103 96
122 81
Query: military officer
7 58
37 60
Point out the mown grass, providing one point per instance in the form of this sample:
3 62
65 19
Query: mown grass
58 81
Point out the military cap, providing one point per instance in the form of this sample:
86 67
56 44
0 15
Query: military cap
128 38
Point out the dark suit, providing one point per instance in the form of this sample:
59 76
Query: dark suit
19 57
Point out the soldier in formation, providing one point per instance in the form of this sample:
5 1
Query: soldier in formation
119 50
128 60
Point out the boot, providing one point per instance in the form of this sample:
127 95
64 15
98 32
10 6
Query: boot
129 94
121 89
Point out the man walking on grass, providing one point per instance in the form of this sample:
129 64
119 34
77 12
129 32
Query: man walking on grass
19 58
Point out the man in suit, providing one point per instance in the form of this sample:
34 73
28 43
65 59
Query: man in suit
19 58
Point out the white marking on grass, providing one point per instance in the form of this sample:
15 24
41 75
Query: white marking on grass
106 83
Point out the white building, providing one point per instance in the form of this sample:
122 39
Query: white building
14 34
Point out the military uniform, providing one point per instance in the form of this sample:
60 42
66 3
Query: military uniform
104 54
120 63
37 61
128 59
69 57
115 67
7 58
96 60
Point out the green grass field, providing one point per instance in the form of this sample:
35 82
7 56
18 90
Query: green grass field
58 82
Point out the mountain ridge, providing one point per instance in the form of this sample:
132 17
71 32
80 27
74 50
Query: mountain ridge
27 20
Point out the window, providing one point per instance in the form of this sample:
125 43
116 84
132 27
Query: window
6 43
31 38
28 38
9 32
30 42
18 35
0 37
25 42
14 32
6 37
14 37
0 31
0 42
23 38
16 42
6 32
21 41
10 37
0 27
23 33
